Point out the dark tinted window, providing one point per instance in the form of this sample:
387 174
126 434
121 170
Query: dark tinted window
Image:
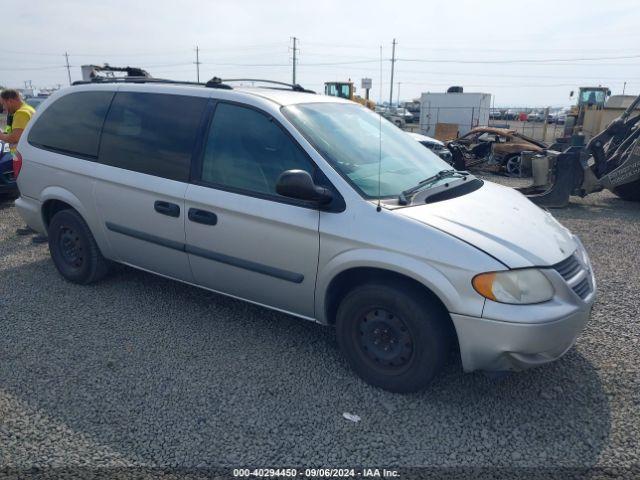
152 133
72 123
247 150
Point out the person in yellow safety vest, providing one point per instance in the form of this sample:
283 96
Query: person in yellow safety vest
18 116
20 112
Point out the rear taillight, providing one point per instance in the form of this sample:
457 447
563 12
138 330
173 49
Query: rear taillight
17 164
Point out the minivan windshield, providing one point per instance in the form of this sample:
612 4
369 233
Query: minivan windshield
360 145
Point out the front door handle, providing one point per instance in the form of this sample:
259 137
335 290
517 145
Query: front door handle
202 216
167 208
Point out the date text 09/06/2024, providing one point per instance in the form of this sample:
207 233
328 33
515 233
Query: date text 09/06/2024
316 472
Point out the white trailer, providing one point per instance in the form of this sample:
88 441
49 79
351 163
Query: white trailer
466 110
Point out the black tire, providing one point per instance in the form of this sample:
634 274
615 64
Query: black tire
513 165
73 249
630 191
382 313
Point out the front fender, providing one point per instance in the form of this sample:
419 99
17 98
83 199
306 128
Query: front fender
408 266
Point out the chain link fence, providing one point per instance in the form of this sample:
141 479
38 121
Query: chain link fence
542 125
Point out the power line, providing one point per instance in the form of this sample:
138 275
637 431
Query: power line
48 67
549 60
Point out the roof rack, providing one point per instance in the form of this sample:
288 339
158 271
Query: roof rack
215 82
296 87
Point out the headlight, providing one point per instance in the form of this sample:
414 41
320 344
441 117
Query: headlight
514 286
582 252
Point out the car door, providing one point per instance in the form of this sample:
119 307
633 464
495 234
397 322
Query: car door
242 238
139 192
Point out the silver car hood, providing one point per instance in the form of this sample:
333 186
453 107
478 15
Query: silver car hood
502 222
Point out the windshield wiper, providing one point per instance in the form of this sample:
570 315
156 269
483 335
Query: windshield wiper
405 196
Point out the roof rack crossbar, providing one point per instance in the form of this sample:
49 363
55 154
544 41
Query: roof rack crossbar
293 86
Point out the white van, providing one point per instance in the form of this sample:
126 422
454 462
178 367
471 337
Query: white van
309 205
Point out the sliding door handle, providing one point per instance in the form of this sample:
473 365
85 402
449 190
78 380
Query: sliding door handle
202 216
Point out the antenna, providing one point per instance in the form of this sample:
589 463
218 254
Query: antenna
379 207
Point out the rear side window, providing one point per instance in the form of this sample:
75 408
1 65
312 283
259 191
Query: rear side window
152 133
72 124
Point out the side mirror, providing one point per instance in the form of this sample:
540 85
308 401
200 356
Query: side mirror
299 184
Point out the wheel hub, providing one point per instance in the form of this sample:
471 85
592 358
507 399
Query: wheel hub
385 339
71 247
513 166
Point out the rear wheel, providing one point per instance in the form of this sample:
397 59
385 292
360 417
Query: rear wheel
394 338
73 249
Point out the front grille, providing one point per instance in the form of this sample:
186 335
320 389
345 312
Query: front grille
568 269
582 289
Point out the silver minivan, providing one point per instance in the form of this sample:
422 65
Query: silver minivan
310 205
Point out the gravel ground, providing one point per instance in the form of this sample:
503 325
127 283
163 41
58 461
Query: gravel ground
139 370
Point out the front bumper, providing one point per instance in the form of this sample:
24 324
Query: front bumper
516 337
493 345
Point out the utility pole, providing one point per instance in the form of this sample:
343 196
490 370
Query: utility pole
197 64
380 94
295 58
66 55
393 61
624 87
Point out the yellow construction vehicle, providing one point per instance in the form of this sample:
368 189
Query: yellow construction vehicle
589 98
347 90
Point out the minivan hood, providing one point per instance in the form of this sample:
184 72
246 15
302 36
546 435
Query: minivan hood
502 222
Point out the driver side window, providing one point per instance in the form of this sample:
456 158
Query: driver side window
246 150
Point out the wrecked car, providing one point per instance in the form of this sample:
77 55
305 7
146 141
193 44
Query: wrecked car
436 146
498 148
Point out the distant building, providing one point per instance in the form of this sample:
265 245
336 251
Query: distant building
466 110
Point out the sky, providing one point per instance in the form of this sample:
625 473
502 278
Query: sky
524 53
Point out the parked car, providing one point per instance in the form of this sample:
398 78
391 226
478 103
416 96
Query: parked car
414 109
496 115
397 116
511 114
405 114
7 179
291 201
535 117
558 117
436 146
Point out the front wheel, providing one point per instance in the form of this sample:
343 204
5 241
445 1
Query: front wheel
394 338
73 249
